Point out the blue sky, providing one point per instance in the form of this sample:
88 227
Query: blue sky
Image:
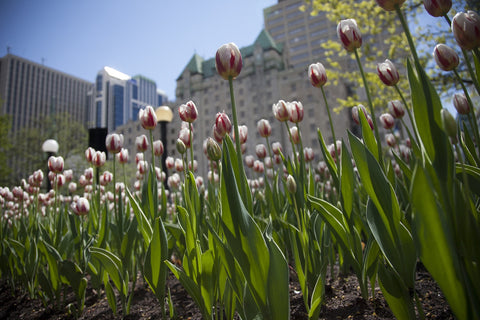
154 38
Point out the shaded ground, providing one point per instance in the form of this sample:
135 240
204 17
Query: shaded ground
342 301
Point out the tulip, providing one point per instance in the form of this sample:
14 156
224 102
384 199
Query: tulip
160 174
138 157
122 156
89 154
142 143
349 34
148 118
214 152
114 142
82 206
68 175
180 145
308 154
460 103
268 162
291 184
390 139
188 112
170 163
258 166
88 173
396 109
158 148
55 164
60 180
99 159
280 111
276 147
317 74
295 110
243 133
295 135
249 160
437 8
466 29
446 58
72 187
261 151
223 125
179 165
387 72
186 137
142 167
228 61
389 5
195 166
264 128
387 121
38 177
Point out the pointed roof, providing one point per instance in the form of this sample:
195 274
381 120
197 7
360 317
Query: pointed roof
195 64
266 41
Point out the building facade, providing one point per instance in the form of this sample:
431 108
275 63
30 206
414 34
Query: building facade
29 90
117 98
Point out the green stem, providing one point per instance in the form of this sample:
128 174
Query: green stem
329 116
191 146
370 105
237 136
471 115
410 115
293 145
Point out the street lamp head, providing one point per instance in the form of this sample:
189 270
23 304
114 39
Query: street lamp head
50 145
164 113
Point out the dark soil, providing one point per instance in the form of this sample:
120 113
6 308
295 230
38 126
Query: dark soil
342 301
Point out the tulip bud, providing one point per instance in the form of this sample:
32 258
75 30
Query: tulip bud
264 128
179 165
308 154
99 158
390 139
396 109
460 103
349 34
261 151
295 135
188 112
317 74
122 156
185 135
142 143
89 154
249 160
466 29
213 150
449 124
223 125
72 187
228 61
158 148
295 109
170 163
387 72
291 184
437 8
446 58
243 133
148 118
181 148
114 142
55 164
82 207
88 173
387 121
389 5
138 157
280 111
258 166
276 147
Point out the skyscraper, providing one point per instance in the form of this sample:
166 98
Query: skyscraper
29 90
117 98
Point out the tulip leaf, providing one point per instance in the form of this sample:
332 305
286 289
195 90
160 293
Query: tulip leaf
332 167
155 270
347 177
278 282
435 241
143 222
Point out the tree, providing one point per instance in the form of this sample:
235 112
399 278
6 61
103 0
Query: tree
5 146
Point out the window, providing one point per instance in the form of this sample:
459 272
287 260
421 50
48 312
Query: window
135 91
118 105
98 112
135 110
99 82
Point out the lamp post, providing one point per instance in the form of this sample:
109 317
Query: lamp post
50 147
164 115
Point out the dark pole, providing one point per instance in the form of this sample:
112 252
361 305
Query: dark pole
163 138
49 185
